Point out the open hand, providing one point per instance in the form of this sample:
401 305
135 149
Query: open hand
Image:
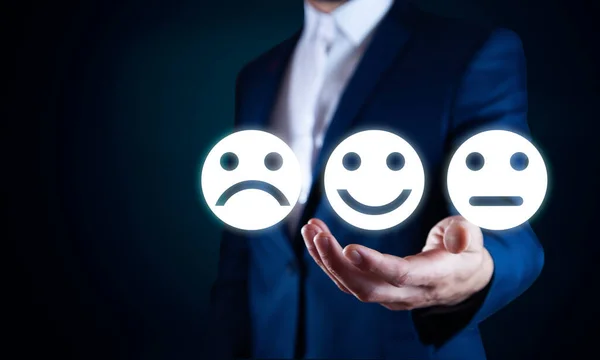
452 266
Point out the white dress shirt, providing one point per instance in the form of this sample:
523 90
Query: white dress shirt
325 57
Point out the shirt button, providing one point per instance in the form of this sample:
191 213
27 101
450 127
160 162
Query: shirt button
319 141
302 199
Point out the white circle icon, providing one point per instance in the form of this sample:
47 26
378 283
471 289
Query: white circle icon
251 180
497 180
374 180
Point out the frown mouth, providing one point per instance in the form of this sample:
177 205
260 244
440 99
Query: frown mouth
253 184
373 210
496 201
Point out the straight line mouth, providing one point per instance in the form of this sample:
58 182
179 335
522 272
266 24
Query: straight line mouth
496 201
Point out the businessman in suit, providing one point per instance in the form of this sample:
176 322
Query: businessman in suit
314 286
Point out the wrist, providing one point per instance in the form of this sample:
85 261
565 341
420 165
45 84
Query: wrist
477 282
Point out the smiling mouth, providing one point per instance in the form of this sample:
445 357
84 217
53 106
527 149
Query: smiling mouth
373 210
253 184
496 201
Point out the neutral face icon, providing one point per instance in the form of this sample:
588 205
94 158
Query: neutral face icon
497 180
374 180
251 180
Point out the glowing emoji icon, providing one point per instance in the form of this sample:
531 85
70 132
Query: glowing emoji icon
497 180
251 180
374 180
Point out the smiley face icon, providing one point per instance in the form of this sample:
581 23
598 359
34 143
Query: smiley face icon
251 180
497 180
374 180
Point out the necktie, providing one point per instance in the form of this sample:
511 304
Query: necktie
307 79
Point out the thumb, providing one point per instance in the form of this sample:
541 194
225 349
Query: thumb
461 235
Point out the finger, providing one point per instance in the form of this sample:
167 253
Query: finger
319 223
364 286
328 249
461 235
394 270
309 232
455 234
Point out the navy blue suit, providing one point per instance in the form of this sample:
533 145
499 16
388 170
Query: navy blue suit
435 82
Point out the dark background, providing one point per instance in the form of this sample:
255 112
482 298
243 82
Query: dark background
118 101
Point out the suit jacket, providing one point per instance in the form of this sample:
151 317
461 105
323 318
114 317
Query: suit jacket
436 82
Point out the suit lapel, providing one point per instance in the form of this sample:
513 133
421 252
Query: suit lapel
266 81
386 44
388 39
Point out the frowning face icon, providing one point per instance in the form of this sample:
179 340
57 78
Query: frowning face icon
374 180
251 180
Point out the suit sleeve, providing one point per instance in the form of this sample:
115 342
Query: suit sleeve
228 334
492 95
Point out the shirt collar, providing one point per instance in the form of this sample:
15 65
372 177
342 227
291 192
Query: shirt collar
355 19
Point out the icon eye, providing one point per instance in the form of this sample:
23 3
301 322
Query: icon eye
351 161
395 161
519 161
229 161
475 161
273 161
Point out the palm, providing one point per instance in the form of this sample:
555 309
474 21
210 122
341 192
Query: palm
445 272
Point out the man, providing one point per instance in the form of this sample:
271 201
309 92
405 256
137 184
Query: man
315 287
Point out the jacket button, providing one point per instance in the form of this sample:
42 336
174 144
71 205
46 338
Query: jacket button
291 267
